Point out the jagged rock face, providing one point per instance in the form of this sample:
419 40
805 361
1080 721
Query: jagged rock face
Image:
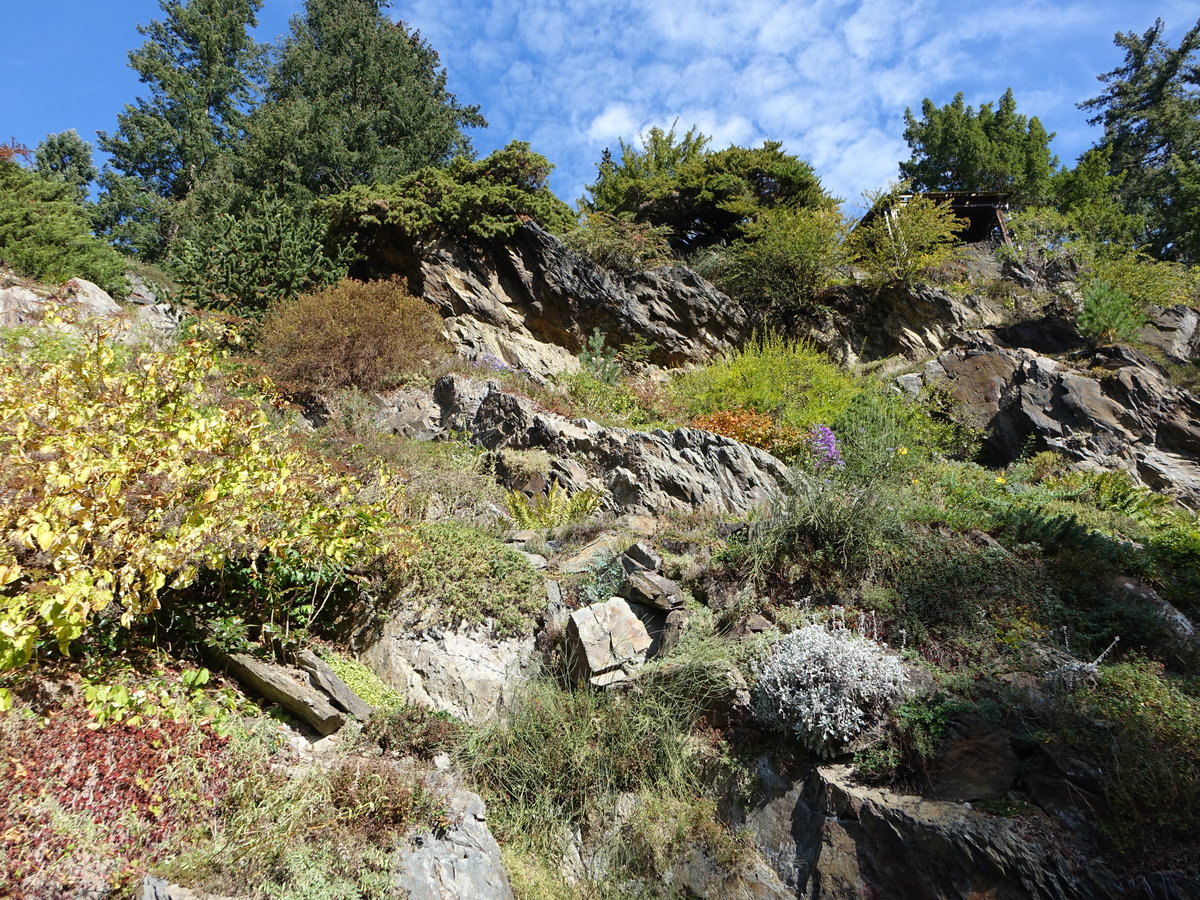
865 324
531 303
1119 413
830 838
651 472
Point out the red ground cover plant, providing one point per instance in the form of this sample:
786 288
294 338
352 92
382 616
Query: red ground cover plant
87 808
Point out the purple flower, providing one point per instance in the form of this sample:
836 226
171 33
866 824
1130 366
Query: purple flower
494 362
824 447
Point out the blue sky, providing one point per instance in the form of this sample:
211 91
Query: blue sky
829 78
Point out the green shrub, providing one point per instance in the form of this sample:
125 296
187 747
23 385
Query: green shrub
460 575
787 379
910 235
469 199
366 335
45 232
785 257
1109 314
616 241
1140 724
245 261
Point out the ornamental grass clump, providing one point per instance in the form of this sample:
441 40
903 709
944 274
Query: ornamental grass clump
827 685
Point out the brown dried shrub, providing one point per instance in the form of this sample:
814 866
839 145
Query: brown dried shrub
365 334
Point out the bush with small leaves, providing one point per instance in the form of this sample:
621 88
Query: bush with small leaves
366 335
827 686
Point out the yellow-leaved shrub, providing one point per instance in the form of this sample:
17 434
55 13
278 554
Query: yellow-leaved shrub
121 477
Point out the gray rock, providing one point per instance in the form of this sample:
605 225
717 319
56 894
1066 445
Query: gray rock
652 589
974 762
287 687
468 673
324 679
19 306
606 642
1175 330
528 302
653 473
641 556
1121 413
91 299
829 837
463 863
1176 622
154 888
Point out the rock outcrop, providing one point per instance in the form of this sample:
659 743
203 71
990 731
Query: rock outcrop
830 838
606 642
528 302
1120 412
466 672
641 472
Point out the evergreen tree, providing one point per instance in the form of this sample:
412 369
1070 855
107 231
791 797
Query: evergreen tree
352 98
703 197
198 62
66 157
1150 110
45 232
959 148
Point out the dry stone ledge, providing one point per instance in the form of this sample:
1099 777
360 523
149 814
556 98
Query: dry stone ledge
284 686
607 642
643 472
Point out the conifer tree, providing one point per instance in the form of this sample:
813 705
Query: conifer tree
66 157
198 62
352 98
1150 110
959 148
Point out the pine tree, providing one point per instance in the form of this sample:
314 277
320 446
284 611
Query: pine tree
66 157
959 148
45 232
1150 111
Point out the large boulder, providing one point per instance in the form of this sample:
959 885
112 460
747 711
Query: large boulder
528 302
467 672
606 642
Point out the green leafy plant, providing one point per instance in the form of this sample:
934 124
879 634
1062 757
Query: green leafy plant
909 234
120 482
553 508
785 257
461 575
598 359
617 241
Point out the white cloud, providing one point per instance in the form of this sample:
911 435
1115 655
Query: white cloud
830 78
